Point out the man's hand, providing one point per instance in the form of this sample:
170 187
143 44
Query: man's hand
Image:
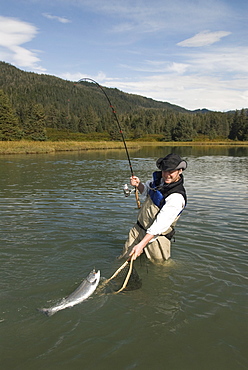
134 181
136 251
138 248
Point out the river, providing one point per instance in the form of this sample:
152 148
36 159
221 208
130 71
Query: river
62 215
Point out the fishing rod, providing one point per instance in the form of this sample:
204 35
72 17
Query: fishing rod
126 191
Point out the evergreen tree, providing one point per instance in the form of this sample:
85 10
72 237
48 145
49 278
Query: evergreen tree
183 130
225 127
245 131
217 124
113 130
106 118
167 131
137 133
34 127
149 124
52 117
63 120
137 122
89 121
82 125
73 123
239 126
242 127
9 129
125 124
159 123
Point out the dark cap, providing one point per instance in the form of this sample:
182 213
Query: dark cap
171 162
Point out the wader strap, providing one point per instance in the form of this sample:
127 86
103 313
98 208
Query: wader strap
141 226
169 235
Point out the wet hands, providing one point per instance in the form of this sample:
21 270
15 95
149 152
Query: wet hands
134 181
138 248
136 251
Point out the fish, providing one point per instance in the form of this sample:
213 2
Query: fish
83 291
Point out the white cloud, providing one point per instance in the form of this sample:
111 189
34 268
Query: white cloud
100 77
203 38
13 34
145 16
171 67
221 61
217 80
191 92
154 66
56 18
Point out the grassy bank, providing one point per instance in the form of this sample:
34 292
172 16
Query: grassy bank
33 147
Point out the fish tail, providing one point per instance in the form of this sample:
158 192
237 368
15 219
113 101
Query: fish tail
46 311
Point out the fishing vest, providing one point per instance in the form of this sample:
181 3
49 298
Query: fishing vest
159 193
156 199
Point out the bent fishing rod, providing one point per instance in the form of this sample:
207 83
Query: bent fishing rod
120 130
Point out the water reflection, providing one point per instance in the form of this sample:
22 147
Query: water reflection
196 151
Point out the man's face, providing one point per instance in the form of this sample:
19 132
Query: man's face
171 176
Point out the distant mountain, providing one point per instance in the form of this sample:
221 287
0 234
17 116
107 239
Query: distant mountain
35 85
245 110
204 110
53 104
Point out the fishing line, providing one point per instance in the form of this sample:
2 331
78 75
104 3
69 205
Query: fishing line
120 130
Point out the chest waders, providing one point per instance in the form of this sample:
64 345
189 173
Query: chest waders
157 250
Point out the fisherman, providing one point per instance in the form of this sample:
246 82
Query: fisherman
164 203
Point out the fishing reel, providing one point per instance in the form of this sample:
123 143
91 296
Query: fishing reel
127 191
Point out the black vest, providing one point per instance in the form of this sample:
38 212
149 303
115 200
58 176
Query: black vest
159 193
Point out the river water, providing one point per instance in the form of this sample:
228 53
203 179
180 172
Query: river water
62 215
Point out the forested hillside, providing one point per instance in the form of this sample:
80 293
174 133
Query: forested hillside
41 107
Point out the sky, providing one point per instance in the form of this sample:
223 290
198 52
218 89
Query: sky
191 53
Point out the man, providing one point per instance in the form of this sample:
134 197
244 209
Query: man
165 200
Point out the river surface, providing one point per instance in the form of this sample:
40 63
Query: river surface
61 215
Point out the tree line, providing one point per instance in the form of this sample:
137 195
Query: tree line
34 106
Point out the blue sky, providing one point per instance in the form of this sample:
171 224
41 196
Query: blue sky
192 53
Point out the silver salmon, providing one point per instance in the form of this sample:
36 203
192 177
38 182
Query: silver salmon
85 289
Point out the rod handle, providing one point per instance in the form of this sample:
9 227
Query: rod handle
137 197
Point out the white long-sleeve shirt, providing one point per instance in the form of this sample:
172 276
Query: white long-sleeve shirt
174 204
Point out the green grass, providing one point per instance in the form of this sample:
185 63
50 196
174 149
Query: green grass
34 147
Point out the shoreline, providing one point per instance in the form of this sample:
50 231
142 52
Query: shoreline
45 147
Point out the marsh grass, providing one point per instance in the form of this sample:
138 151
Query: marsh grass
35 147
